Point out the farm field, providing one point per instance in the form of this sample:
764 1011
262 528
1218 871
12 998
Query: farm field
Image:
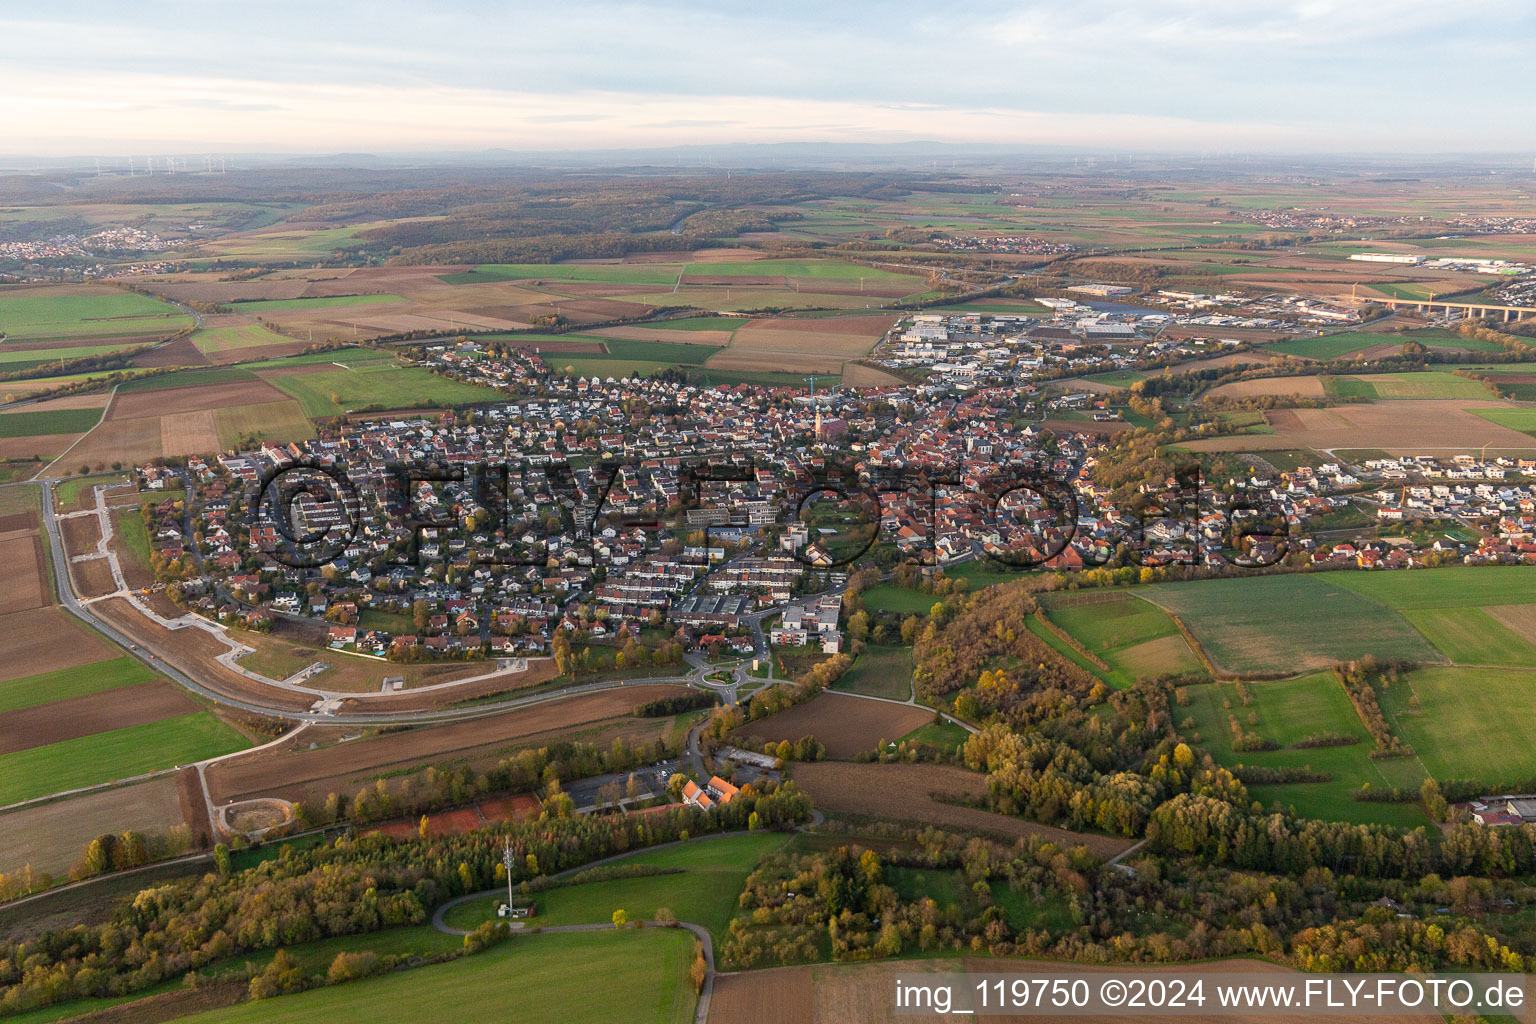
839 992
96 677
1286 712
277 422
380 385
1523 420
1137 639
256 306
237 338
906 793
1459 587
82 312
1329 346
639 977
1467 723
52 836
1404 425
53 420
809 345
847 725
880 672
702 881
1431 384
115 754
1268 624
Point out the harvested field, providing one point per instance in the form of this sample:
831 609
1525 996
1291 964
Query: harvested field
52 837
46 639
21 552
660 334
1405 425
1520 618
195 398
293 771
47 446
1084 427
905 793
857 375
189 433
848 725
181 352
91 713
1309 387
857 993
539 671
127 441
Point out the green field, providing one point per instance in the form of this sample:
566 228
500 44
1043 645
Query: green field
1266 624
214 340
254 306
1523 420
385 385
1118 378
189 378
14 358
880 672
944 735
62 313
116 754
616 273
1136 638
96 677
639 977
1288 711
701 885
1329 346
1470 636
1470 723
699 323
887 598
1387 386
48 421
1465 587
279 422
628 358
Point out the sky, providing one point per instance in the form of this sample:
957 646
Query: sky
1413 76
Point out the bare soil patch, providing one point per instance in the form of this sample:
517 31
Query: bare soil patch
1084 427
906 793
128 441
181 352
47 446
862 993
189 433
92 577
81 535
45 640
847 725
86 715
21 552
1309 387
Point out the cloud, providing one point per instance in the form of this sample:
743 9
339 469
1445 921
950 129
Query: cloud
1111 73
